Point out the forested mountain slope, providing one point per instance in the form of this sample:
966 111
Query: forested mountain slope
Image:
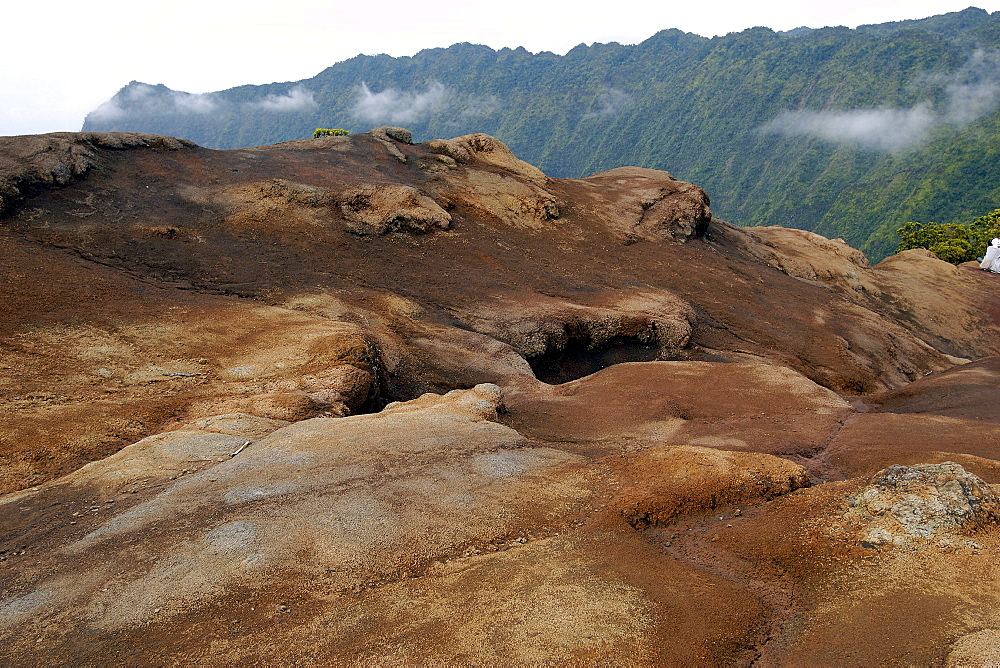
848 133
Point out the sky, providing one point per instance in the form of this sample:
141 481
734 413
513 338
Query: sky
61 59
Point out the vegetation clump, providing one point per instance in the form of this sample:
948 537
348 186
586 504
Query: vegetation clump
949 241
329 132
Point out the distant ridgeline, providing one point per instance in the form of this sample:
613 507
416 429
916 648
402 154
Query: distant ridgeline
849 133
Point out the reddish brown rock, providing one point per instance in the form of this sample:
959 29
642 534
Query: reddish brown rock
381 209
661 484
577 420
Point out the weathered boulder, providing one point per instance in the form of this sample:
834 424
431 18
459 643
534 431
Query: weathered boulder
903 504
387 132
653 205
641 327
924 288
520 204
56 159
482 149
342 371
382 208
482 402
285 405
807 255
388 136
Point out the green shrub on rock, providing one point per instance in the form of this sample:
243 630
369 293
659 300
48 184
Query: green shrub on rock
949 241
328 132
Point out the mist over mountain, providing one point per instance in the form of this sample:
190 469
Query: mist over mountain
845 132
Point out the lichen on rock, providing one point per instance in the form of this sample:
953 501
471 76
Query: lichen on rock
903 504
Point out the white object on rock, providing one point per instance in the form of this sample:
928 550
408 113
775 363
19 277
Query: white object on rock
991 260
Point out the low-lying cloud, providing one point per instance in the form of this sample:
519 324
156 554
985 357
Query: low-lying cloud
874 129
968 95
193 103
974 91
133 95
398 107
609 102
145 100
297 99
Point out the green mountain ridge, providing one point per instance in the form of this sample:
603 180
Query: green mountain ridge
849 133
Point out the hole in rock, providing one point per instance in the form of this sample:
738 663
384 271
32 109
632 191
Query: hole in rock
577 359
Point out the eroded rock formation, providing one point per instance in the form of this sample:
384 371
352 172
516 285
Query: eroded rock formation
358 400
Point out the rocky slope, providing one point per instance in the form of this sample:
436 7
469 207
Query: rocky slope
356 400
848 133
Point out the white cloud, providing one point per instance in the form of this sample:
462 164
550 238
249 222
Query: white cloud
138 91
299 98
109 111
133 95
874 129
610 102
969 94
975 90
142 99
193 103
395 106
399 107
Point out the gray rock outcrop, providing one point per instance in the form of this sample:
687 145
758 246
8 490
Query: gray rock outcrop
906 503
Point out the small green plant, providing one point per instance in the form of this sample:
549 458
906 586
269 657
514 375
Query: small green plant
950 242
328 132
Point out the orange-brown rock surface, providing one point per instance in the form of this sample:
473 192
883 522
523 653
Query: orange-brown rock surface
353 400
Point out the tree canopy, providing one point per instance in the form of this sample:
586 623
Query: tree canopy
949 241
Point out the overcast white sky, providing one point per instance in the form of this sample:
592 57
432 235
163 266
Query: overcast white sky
62 58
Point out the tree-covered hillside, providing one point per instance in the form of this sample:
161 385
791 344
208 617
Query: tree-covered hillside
849 133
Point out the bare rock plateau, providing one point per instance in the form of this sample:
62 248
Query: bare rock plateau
355 400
